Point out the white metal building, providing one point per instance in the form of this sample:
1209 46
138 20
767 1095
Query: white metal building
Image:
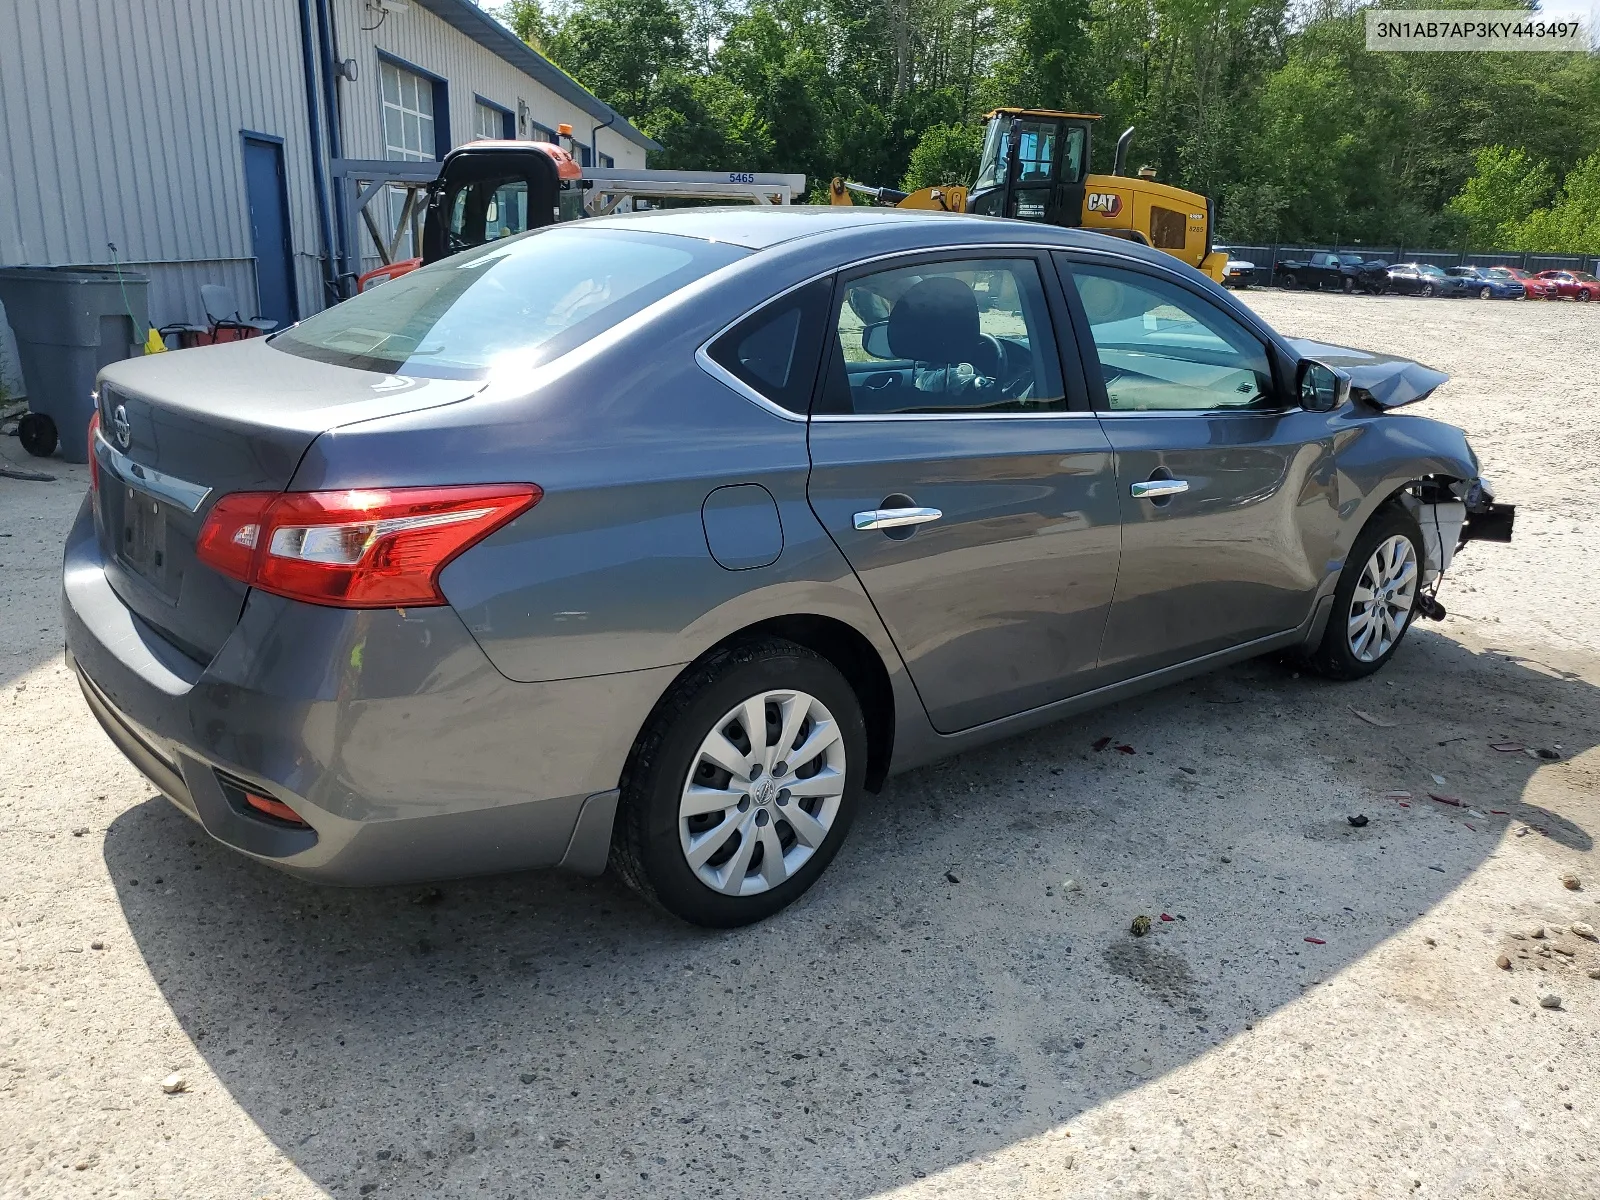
204 137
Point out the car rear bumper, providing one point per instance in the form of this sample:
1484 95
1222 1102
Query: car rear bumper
389 732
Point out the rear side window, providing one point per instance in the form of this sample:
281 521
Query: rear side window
511 305
774 350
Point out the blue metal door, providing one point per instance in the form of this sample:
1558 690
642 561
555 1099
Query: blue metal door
268 198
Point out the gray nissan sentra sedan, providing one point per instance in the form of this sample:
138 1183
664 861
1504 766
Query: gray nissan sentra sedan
657 540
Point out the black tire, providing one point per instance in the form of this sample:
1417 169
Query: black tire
645 846
38 434
1289 281
1427 290
1583 296
1486 294
1349 286
1333 658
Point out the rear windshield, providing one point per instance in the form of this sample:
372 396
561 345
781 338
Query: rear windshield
515 304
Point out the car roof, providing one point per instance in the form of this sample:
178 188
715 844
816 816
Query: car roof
758 227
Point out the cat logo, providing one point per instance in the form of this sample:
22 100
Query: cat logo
1107 204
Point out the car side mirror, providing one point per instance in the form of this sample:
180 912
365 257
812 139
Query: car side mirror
1322 388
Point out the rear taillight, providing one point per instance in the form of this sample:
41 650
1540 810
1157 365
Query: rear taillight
371 548
94 459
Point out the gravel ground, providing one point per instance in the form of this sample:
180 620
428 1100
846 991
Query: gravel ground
945 1014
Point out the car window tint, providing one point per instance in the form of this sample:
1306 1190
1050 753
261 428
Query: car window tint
509 306
774 350
969 335
1164 349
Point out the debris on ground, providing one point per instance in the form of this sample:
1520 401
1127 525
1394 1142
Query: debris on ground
950 876
1168 917
97 945
1503 962
1595 974
1124 748
1507 747
1545 755
1571 882
1438 779
1537 933
80 831
1550 1000
1359 820
1372 720
1397 795
1584 930
1101 743
1316 941
1140 926
428 895
174 1083
1451 800
1071 885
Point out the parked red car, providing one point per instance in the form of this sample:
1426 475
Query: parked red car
1578 285
1537 288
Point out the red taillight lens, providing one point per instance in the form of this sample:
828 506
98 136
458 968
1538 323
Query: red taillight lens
376 548
94 460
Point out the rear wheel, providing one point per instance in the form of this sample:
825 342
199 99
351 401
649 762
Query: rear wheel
1485 293
1290 280
1349 285
742 786
1427 290
1376 597
1584 296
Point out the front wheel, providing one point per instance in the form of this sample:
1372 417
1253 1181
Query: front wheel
1427 290
742 785
1584 296
1375 599
1485 293
1290 281
1349 285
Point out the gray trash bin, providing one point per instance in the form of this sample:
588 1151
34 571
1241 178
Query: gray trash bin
70 322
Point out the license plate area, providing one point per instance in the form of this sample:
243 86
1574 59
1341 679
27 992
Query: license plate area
138 527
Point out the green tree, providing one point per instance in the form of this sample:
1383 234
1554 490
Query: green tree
1503 191
945 154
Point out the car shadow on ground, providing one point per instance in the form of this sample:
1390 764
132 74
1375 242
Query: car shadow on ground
943 992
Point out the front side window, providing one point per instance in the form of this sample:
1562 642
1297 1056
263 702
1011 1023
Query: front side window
1164 349
963 336
505 307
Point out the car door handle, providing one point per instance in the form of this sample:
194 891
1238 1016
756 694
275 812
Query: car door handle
1150 489
894 518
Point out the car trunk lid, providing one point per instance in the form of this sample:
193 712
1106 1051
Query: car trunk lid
179 431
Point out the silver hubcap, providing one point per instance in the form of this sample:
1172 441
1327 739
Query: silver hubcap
1381 604
762 793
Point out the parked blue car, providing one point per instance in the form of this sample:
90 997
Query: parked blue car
1489 283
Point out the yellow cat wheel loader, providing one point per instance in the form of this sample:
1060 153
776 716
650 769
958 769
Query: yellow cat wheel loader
1035 167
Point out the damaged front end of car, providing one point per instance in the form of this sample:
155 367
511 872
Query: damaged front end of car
1452 503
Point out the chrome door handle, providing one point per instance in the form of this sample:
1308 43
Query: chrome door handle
894 518
1150 489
